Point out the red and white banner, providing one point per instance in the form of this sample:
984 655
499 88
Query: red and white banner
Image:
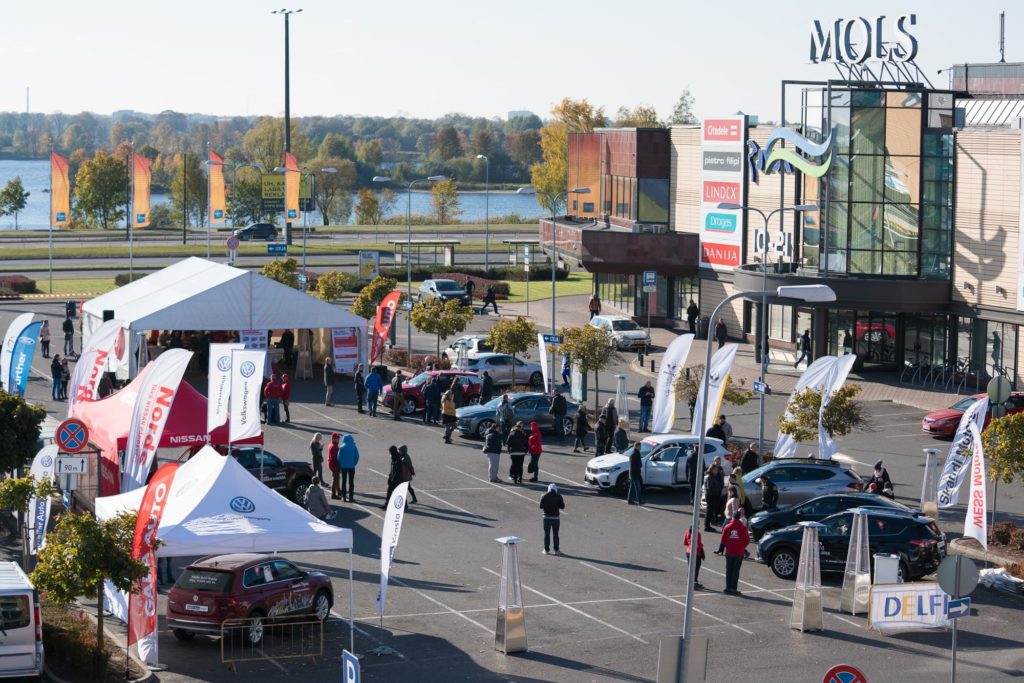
246 383
345 342
104 351
976 521
382 325
144 601
149 415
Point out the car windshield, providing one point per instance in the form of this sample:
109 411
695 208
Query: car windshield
964 404
447 286
205 580
623 325
418 379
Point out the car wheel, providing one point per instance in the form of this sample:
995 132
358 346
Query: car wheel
298 494
481 429
183 635
474 400
903 573
536 379
622 484
784 563
876 336
567 425
254 630
322 605
408 406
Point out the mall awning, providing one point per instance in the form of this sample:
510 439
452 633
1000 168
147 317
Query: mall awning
614 250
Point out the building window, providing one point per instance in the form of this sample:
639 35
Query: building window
588 207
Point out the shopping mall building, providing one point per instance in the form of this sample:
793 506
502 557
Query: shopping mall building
919 197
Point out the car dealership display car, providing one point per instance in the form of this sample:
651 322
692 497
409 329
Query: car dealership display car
815 510
290 478
528 407
244 586
800 479
412 390
471 345
664 457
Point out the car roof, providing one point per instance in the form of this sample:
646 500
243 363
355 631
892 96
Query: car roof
232 561
492 354
441 279
659 439
803 462
885 512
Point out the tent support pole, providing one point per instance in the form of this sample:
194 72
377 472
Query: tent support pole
351 621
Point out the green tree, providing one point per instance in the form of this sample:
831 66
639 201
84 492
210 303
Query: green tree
513 337
285 271
16 494
388 200
330 186
368 208
444 196
549 176
687 385
13 198
440 318
264 143
524 148
842 415
482 139
682 112
80 554
20 423
371 152
246 199
644 116
447 144
101 188
189 183
1003 440
337 146
370 296
592 349
332 285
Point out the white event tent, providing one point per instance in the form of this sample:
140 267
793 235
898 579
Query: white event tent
215 507
197 294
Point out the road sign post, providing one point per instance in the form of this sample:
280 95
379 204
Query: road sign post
960 607
957 576
844 673
650 283
349 667
72 435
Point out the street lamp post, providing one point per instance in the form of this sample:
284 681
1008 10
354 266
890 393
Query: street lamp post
287 104
487 211
408 252
808 293
762 318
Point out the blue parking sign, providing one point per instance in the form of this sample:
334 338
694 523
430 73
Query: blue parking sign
349 667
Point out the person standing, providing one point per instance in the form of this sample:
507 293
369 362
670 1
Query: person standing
750 460
273 393
490 298
407 471
552 504
557 411
692 313
394 474
714 482
288 345
726 429
505 415
348 458
69 335
432 402
646 396
594 306
397 396
716 431
65 378
316 452
359 380
486 388
57 371
535 448
44 338
692 556
692 469
458 393
804 348
492 449
334 465
636 476
373 386
316 501
721 333
582 427
448 415
328 380
620 438
600 436
735 538
566 370
611 420
470 287
286 396
518 447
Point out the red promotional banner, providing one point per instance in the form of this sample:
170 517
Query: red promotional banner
143 601
382 325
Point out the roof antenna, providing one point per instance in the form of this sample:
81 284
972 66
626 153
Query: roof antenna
1002 37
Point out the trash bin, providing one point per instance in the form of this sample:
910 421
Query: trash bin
70 308
703 327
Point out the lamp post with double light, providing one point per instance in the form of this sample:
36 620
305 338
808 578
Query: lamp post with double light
487 211
286 13
305 214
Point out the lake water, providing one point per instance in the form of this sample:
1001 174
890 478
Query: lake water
35 176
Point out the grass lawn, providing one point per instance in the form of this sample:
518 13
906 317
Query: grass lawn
120 250
94 285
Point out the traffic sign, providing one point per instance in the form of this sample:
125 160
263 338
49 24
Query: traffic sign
762 388
650 277
76 465
407 305
958 608
233 243
349 667
649 289
277 249
999 389
553 339
72 435
302 279
844 673
955 580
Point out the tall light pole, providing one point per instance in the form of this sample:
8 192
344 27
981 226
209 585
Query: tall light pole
287 104
762 318
487 211
408 252
809 293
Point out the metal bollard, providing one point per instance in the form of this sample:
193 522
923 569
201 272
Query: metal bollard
652 365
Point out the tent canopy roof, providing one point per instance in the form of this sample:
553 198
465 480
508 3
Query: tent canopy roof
196 294
215 507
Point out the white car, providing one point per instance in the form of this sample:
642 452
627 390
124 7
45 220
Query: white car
664 458
474 345
626 333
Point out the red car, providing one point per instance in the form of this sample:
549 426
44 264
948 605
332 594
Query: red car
945 421
874 332
244 586
412 390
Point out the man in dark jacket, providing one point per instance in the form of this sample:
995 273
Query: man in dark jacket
691 473
750 460
600 436
714 482
469 287
490 299
716 432
721 333
432 402
518 446
69 336
692 313
328 380
551 504
557 411
492 449
458 392
646 396
359 380
486 388
397 397
636 476
287 345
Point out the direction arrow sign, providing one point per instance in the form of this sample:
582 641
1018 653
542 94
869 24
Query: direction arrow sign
277 249
75 465
762 388
553 339
72 435
958 608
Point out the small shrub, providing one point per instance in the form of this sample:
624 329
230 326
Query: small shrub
124 278
18 284
69 637
1001 533
1017 539
1016 570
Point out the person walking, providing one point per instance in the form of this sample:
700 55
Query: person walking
44 338
407 471
552 504
470 287
359 382
373 386
328 381
432 402
486 388
448 418
646 396
804 347
611 420
594 306
334 465
490 299
535 448
557 411
636 476
620 438
692 556
692 313
286 396
316 501
348 458
600 436
505 415
492 449
65 378
751 460
566 371
735 538
692 469
69 336
273 392
316 452
518 446
721 333
582 428
397 396
714 482
57 371
394 474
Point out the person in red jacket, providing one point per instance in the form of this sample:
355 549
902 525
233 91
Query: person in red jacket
535 449
699 555
735 538
334 465
286 396
273 393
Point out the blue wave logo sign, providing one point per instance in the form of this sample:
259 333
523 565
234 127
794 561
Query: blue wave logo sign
224 363
61 216
247 368
217 214
291 213
242 504
140 218
721 222
773 159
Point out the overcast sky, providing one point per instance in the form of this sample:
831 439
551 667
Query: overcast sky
430 58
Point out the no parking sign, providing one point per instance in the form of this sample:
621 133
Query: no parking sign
844 673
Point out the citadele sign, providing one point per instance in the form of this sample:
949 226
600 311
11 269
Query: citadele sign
722 182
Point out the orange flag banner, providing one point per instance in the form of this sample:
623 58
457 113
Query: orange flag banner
60 191
218 209
141 180
292 180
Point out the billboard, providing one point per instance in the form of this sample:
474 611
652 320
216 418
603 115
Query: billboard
273 192
723 141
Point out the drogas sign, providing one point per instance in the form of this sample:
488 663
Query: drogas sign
855 41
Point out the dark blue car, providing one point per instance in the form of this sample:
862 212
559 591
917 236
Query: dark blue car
815 510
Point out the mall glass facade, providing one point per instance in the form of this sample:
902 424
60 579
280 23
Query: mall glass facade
671 296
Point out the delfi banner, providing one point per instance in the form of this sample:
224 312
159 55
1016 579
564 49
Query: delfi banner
60 191
141 180
976 519
218 206
907 607
345 344
543 347
816 375
723 180
246 382
389 539
219 384
382 324
149 415
835 380
721 365
21 357
143 602
39 508
10 337
672 364
960 451
292 178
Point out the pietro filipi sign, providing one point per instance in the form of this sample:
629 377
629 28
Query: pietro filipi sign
864 39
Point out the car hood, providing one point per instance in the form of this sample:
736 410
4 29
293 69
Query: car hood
474 411
943 415
609 460
631 334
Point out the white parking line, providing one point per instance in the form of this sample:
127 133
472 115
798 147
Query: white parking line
449 610
574 609
442 500
666 597
500 487
355 625
272 661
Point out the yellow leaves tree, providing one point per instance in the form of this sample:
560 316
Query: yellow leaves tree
549 176
1004 448
445 198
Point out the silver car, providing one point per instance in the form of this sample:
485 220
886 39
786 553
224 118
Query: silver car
500 366
800 479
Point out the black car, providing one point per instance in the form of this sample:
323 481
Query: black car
257 231
914 538
815 510
290 478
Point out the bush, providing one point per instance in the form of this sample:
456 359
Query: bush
400 357
1017 539
18 284
124 278
1001 533
5 292
69 638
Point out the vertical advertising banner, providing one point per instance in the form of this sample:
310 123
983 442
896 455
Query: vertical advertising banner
723 142
345 343
960 452
217 203
389 539
835 380
292 179
219 384
721 365
246 383
664 391
21 358
976 521
10 337
39 508
140 194
369 264
382 325
60 191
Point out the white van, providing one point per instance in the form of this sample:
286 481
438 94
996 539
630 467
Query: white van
21 624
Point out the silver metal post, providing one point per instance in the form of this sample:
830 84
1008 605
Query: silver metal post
952 673
408 274
487 214
305 225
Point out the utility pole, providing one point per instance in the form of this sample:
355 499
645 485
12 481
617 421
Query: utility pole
184 199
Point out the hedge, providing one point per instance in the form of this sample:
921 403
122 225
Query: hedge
124 278
19 284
